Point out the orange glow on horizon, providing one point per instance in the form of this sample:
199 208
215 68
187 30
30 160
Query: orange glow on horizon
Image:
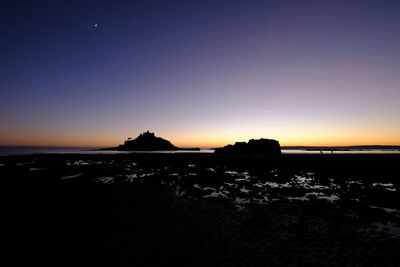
195 141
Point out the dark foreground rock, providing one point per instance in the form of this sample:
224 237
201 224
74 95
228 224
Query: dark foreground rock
262 146
201 210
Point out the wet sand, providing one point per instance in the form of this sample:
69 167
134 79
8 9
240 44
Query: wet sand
202 210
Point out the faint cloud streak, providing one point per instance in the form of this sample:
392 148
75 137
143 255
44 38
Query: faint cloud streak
252 110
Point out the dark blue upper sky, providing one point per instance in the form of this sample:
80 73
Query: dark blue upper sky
199 72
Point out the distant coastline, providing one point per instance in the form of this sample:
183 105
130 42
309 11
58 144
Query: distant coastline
343 148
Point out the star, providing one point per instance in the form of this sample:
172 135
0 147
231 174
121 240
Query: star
96 25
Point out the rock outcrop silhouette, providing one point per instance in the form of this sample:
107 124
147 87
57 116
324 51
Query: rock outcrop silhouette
147 141
262 146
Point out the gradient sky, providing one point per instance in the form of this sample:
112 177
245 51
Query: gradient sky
200 73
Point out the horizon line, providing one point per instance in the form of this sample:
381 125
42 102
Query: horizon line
202 147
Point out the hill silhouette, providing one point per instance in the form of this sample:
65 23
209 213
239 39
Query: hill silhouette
147 141
262 146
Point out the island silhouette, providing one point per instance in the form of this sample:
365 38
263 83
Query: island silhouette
148 141
262 146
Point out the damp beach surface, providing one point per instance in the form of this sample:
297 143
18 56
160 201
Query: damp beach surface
203 209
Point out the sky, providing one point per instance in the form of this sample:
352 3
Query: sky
200 73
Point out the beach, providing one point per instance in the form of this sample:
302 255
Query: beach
202 209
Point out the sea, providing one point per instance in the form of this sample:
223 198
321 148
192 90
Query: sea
29 150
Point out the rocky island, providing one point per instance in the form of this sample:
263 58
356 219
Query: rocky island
262 146
147 141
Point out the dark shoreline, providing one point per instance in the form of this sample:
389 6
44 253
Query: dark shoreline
60 213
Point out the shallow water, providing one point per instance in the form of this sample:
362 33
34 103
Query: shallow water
355 151
8 150
28 150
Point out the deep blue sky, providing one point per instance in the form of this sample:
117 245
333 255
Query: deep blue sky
200 72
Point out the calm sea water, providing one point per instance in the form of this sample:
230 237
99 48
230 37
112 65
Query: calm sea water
27 150
355 151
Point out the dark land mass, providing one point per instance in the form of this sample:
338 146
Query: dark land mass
343 148
262 146
200 210
147 141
